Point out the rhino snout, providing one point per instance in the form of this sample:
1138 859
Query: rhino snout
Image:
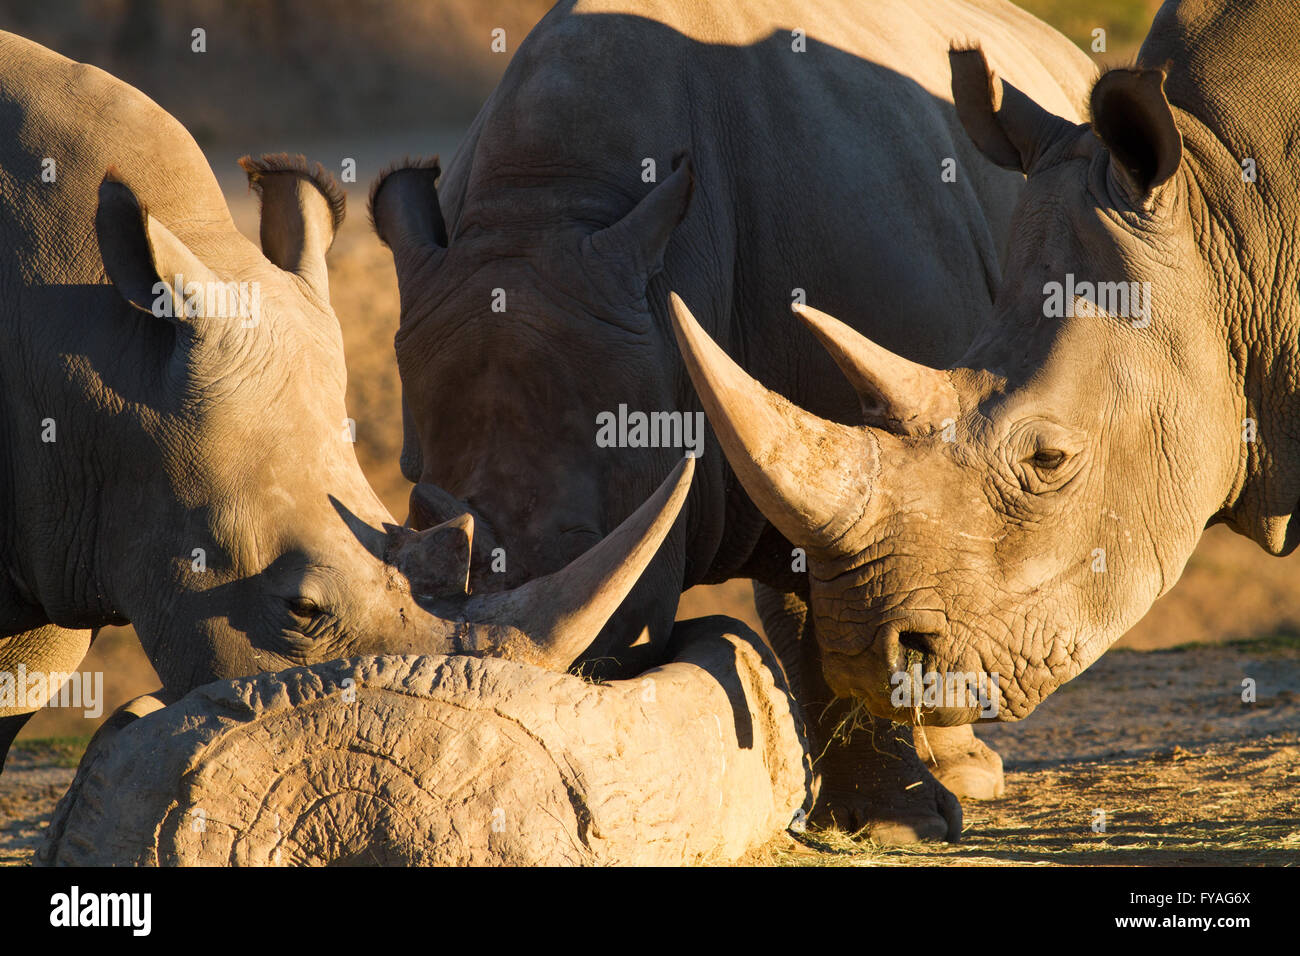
916 669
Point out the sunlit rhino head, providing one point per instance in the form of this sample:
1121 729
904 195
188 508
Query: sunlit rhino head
267 547
1004 521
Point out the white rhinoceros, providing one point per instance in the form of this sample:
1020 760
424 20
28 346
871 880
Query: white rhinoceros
172 400
826 161
1139 380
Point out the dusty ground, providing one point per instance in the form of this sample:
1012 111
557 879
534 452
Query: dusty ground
1161 741
1184 770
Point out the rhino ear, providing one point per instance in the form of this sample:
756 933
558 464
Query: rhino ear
1132 116
138 252
302 209
1006 125
642 235
405 212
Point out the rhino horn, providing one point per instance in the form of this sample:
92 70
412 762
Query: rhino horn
429 505
558 616
436 560
898 394
810 477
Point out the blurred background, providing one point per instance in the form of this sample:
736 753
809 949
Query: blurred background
373 81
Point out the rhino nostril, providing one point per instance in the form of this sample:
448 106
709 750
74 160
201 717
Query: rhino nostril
923 642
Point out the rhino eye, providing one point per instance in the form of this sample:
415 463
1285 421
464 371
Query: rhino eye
303 608
1048 459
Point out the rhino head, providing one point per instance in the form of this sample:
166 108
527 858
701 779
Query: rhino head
515 337
255 541
1009 518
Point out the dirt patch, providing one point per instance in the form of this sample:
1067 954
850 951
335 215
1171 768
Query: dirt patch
35 777
1132 704
1223 804
1157 750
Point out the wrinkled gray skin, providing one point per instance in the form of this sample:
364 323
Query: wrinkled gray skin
818 171
1074 436
172 435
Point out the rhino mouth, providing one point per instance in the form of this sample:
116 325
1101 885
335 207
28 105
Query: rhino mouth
909 674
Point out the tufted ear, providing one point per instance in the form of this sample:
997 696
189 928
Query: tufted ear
405 212
1132 116
641 237
302 209
1006 125
150 268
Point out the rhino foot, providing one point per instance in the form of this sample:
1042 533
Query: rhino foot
868 775
875 782
963 763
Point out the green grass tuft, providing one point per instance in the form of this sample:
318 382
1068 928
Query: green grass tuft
52 751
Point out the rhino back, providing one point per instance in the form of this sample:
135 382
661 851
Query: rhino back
72 344
53 108
77 357
817 170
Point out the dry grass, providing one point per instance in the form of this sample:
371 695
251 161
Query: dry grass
1174 808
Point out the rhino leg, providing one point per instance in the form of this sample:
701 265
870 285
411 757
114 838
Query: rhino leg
47 649
128 714
869 781
963 763
9 727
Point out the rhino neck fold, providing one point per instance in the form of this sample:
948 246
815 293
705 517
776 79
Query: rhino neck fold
1236 72
87 491
1244 232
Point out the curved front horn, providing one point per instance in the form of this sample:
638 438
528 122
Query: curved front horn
552 620
810 477
896 393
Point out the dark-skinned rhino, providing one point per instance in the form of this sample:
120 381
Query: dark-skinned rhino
1013 515
173 452
534 282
